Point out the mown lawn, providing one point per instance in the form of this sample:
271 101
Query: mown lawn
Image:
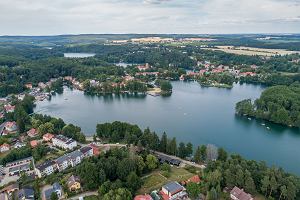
156 180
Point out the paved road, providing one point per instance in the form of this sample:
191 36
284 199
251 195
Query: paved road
86 194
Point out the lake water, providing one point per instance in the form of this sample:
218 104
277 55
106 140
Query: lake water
192 113
78 55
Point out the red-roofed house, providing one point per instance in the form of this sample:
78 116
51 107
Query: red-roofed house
9 127
48 137
28 85
239 194
9 108
4 147
33 143
96 150
194 179
143 197
32 132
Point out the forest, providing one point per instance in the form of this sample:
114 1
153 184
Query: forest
278 104
223 169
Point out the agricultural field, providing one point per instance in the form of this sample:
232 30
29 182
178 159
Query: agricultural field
251 51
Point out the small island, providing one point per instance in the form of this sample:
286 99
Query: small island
278 104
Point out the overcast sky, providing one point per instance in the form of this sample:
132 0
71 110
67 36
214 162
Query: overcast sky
52 17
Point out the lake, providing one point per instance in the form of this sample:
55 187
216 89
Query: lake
192 113
79 55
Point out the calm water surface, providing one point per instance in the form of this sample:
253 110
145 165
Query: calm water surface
192 113
78 55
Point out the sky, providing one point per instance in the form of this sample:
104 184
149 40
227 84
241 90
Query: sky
55 17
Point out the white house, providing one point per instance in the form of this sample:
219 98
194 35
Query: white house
64 142
45 169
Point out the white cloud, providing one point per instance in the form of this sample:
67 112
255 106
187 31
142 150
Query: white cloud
44 17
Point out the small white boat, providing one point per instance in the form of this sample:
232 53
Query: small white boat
263 124
268 128
249 118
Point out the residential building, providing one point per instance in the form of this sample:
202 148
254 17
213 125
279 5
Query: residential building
239 194
4 147
10 127
56 188
73 183
9 108
194 179
19 144
96 150
45 169
23 165
167 159
33 143
172 191
64 142
48 137
28 86
26 194
69 160
87 151
32 132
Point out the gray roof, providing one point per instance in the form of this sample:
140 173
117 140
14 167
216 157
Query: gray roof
85 149
48 193
62 159
20 160
25 166
173 187
46 164
73 155
64 139
56 186
28 193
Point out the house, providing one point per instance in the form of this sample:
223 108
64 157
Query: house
73 183
143 197
143 67
56 188
87 151
26 194
28 85
23 165
4 147
42 85
239 194
96 150
163 158
194 179
69 160
172 191
9 108
32 132
19 144
48 137
10 127
64 142
33 143
45 168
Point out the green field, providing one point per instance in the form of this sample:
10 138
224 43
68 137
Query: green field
156 180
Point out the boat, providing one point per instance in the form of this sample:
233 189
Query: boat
263 124
268 128
249 118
